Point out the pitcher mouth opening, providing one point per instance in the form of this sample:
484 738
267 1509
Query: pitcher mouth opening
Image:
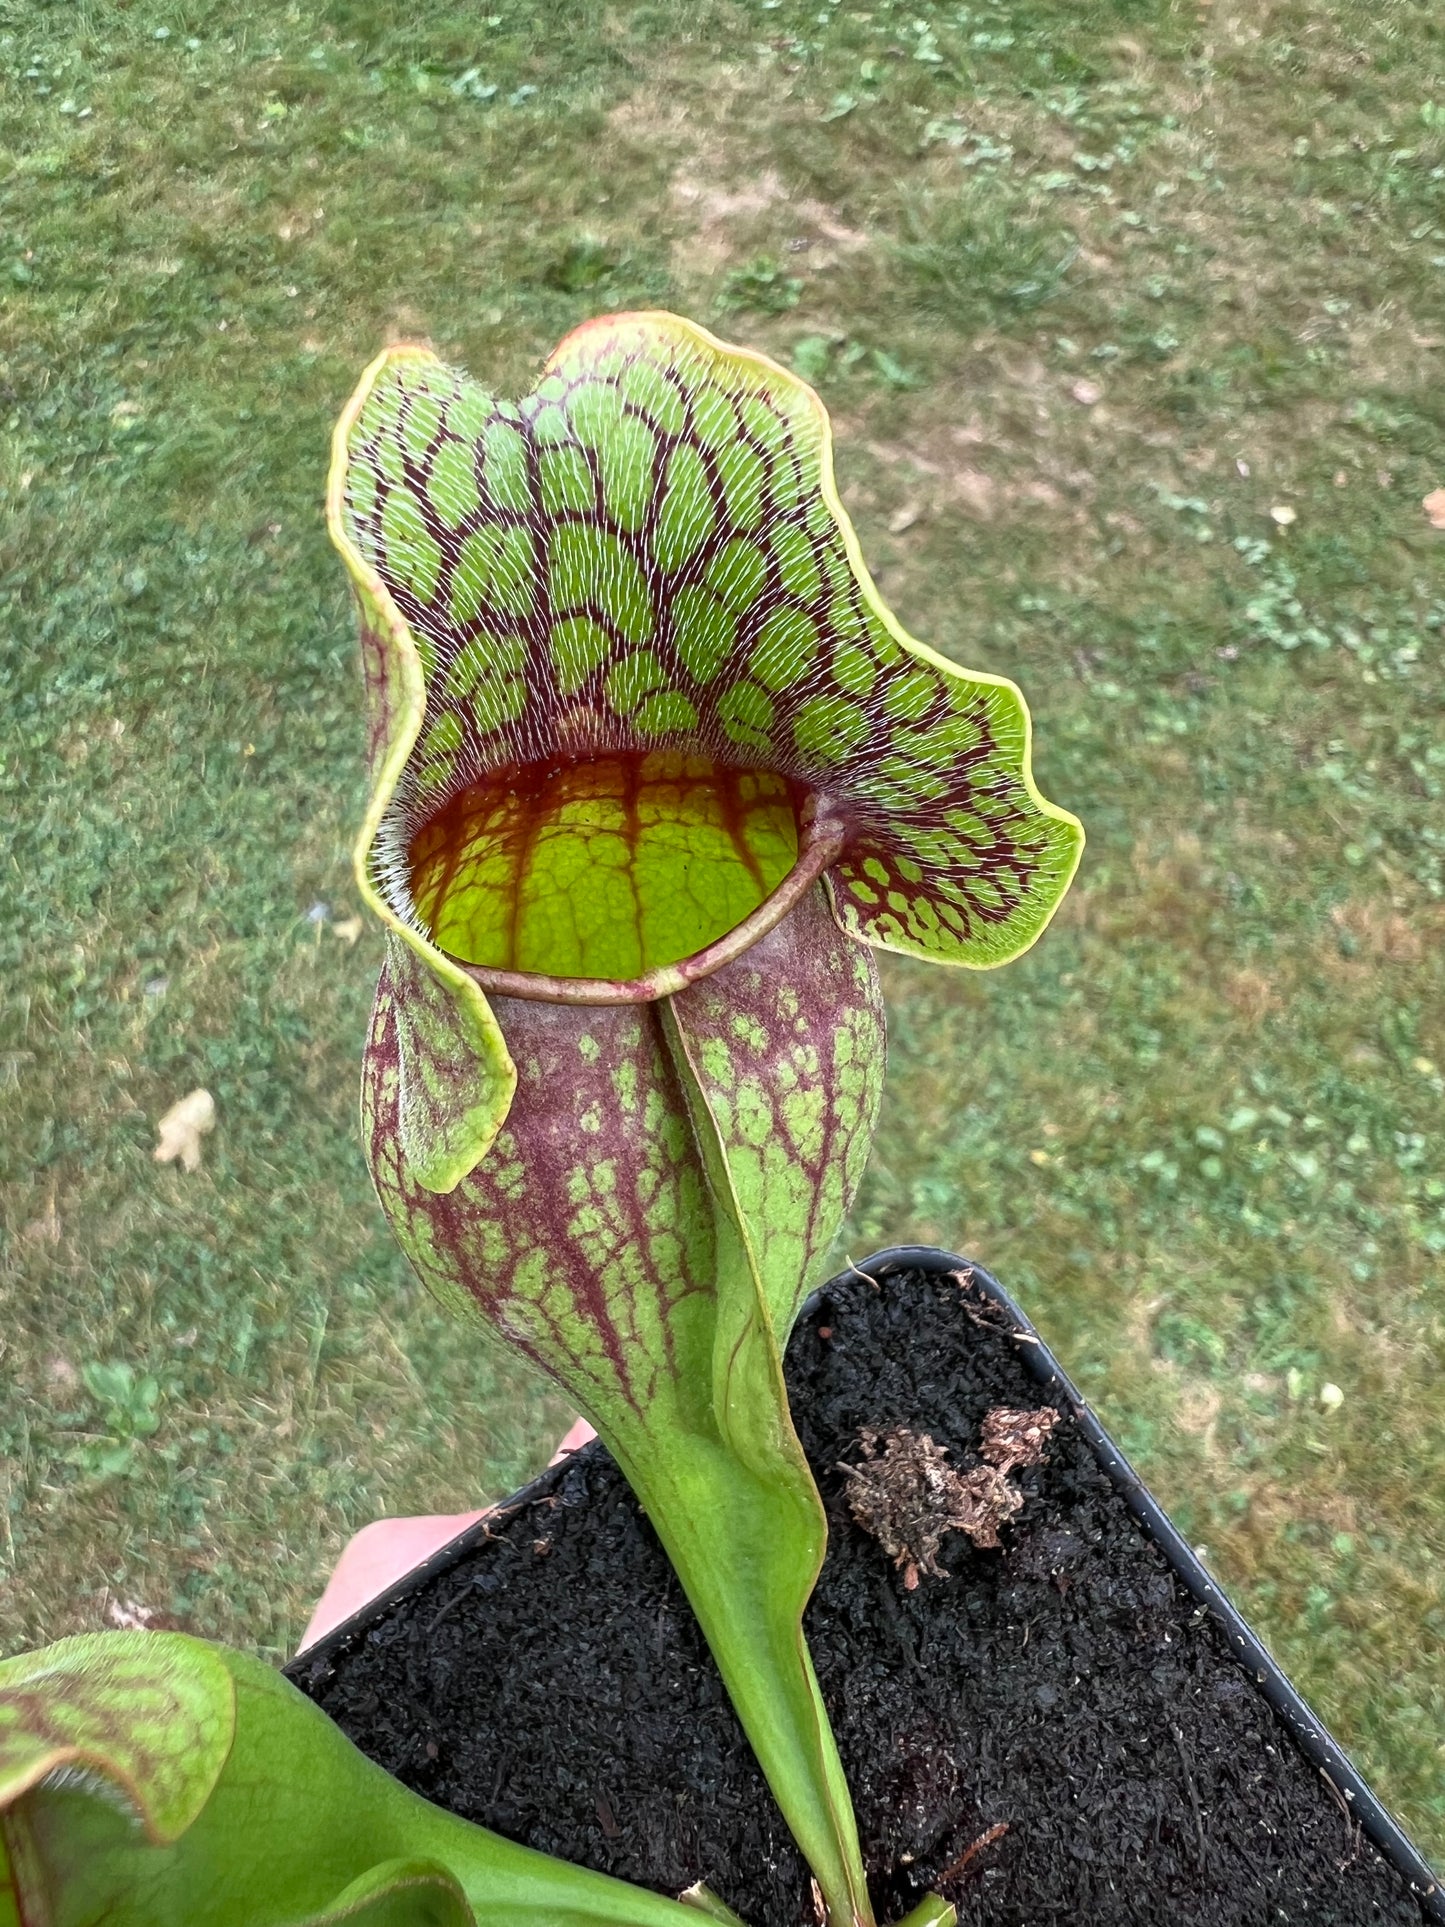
616 877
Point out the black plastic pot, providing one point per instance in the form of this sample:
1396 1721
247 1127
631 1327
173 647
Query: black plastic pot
1309 1733
324 1669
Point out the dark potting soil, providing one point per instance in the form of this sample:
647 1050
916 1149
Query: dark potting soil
1055 1732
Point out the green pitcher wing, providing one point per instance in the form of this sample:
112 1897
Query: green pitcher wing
152 1780
781 1059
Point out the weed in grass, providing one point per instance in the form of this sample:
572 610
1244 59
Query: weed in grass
969 265
760 287
581 265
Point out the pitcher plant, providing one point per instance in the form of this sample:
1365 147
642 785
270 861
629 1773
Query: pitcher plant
654 772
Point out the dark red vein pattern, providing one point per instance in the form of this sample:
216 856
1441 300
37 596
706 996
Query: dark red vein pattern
587 1235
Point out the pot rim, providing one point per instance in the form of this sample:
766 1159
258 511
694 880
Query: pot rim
1309 1733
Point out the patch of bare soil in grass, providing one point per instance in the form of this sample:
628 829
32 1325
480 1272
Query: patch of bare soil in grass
944 472
731 195
1004 438
726 222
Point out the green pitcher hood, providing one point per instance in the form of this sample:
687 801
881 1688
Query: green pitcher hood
647 557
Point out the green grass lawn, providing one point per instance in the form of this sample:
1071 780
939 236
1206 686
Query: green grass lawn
1130 318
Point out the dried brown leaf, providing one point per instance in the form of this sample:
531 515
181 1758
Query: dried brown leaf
907 1495
1012 1437
179 1133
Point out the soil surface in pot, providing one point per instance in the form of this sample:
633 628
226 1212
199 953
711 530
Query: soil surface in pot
1052 1733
